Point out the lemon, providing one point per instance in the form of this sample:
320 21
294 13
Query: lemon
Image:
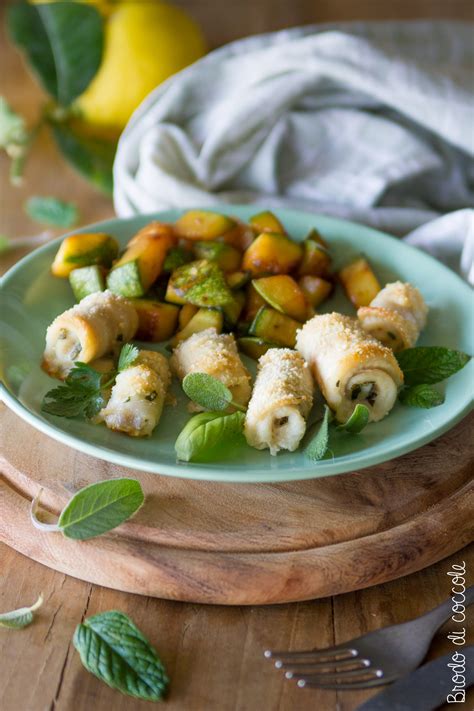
145 43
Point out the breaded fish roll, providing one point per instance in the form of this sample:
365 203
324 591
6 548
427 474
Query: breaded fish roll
281 400
217 355
395 316
94 327
138 396
350 366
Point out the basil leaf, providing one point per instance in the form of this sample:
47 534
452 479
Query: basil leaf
92 157
206 391
357 421
63 43
210 435
51 211
17 619
128 356
430 364
113 649
100 507
317 448
421 396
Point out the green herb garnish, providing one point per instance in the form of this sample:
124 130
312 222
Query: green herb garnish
210 435
52 211
17 619
317 448
423 395
82 392
208 392
357 421
430 364
113 649
95 509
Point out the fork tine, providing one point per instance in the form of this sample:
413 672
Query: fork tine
341 650
338 676
325 669
300 664
352 686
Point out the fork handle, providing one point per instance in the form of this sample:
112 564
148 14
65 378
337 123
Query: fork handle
454 606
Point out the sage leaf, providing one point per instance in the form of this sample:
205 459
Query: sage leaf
13 131
317 448
100 507
206 391
423 395
357 421
63 43
113 649
52 211
210 435
92 157
17 619
426 365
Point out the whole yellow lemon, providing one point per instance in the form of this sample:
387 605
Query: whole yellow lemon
145 43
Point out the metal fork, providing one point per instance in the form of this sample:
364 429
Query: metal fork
374 659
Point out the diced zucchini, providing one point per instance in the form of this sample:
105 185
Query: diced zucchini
272 326
253 303
176 257
228 258
237 280
266 222
186 313
201 283
271 253
141 263
233 309
360 283
316 258
203 225
156 321
254 347
315 289
83 250
283 293
86 280
203 319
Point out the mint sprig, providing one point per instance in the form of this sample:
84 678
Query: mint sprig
52 211
430 364
425 396
95 509
208 392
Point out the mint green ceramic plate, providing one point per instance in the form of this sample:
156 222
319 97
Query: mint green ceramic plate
31 298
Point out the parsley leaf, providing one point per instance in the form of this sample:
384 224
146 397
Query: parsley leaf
80 396
128 356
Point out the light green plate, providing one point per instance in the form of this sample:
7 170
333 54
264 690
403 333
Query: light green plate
31 298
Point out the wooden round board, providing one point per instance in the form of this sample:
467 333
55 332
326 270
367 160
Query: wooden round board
238 544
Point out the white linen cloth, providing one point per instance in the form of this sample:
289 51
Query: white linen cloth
368 121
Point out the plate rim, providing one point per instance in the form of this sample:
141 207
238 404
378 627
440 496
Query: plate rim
201 471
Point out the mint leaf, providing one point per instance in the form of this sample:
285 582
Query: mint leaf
421 396
17 619
317 448
128 356
206 391
209 435
430 364
113 649
63 43
13 131
357 421
92 157
52 211
100 507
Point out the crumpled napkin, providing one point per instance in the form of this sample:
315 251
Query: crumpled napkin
368 121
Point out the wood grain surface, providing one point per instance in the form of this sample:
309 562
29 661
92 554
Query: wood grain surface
235 544
213 654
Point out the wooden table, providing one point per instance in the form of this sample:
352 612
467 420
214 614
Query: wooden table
213 654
